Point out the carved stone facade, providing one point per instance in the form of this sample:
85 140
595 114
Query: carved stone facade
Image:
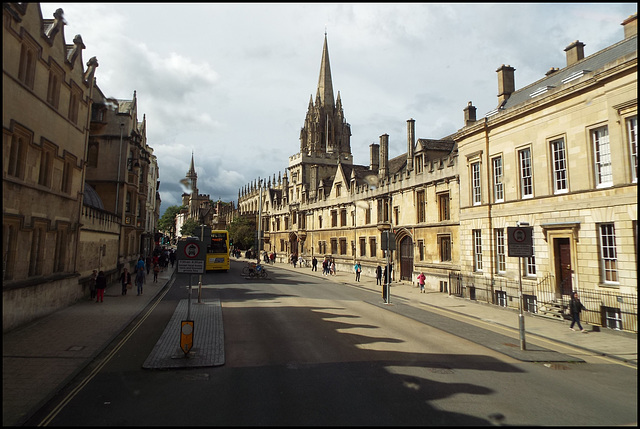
45 117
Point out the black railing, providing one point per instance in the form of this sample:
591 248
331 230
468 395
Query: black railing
609 309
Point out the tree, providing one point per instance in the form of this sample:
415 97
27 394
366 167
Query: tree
167 222
242 231
189 227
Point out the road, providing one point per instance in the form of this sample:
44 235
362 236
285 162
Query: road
305 351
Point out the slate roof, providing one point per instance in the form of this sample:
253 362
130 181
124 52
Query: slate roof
590 65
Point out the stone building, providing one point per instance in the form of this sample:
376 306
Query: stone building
559 154
46 108
123 171
325 205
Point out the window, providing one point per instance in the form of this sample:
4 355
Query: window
477 250
46 164
92 153
445 248
338 190
343 246
526 173
334 246
60 256
334 218
418 164
501 261
476 193
372 246
530 303
343 217
420 207
363 246
608 253
17 156
498 187
396 215
421 250
319 222
27 71
37 251
612 318
128 203
443 206
530 263
53 90
602 156
67 177
632 136
559 166
501 298
367 216
9 240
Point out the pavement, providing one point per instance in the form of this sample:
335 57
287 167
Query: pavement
42 357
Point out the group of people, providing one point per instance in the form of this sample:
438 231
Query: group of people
156 263
328 267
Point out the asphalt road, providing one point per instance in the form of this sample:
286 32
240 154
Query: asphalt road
303 351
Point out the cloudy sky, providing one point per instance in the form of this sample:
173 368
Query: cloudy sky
231 82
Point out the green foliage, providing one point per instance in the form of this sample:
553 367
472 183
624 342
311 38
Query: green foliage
167 222
189 227
242 231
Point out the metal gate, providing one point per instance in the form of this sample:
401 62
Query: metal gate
406 258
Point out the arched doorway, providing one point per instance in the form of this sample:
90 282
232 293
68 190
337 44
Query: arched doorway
406 258
293 245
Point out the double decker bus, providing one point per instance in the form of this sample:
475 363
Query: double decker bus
218 251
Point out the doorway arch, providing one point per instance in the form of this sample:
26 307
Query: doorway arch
405 258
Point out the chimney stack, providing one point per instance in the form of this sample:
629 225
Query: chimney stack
384 156
630 26
374 155
575 52
506 83
411 142
469 114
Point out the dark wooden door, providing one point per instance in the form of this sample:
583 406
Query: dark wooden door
562 249
406 258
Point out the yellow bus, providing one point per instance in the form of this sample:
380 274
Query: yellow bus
218 251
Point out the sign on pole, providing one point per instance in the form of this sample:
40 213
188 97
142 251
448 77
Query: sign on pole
520 241
191 256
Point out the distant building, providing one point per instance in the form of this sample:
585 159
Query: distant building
46 105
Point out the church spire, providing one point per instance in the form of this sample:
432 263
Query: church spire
325 86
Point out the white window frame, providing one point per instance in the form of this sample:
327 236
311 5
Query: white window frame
498 186
477 250
608 253
603 170
559 165
476 185
526 173
501 259
632 137
530 263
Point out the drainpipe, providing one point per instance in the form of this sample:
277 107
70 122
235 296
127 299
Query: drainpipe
490 205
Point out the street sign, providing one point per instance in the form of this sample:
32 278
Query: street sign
186 336
191 256
520 241
387 240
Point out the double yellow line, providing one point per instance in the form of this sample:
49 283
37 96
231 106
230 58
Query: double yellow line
52 415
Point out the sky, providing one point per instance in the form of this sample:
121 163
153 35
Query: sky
231 82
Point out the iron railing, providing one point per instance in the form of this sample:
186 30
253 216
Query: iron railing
609 309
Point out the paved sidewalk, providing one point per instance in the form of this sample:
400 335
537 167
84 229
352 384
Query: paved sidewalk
40 358
605 342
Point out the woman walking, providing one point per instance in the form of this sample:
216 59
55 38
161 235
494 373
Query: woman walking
125 279
575 307
101 285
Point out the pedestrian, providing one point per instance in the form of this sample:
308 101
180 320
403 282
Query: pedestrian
294 260
156 270
92 284
172 257
272 257
575 307
101 285
378 275
140 281
421 278
333 268
314 264
325 266
358 269
125 280
140 264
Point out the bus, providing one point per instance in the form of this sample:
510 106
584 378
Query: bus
218 251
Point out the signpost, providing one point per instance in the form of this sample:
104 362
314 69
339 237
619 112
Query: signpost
520 244
387 243
190 256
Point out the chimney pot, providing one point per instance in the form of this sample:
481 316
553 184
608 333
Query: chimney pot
575 52
630 26
506 83
469 114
